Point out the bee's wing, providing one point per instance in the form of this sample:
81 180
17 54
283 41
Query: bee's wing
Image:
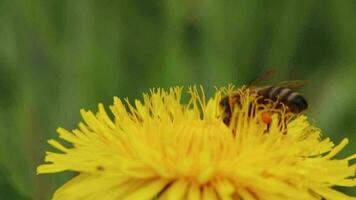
293 84
264 76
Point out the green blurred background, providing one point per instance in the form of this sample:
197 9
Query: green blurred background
59 56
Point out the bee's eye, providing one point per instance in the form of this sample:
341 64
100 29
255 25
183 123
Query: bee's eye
224 101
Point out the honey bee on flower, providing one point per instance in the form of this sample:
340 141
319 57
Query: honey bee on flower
161 148
279 98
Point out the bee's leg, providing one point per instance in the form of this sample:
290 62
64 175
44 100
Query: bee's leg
280 123
267 128
284 126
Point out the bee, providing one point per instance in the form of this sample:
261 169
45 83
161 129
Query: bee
282 94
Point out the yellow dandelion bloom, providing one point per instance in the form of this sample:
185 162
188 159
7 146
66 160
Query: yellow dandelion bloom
160 148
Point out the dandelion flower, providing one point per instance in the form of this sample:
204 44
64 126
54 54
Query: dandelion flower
160 148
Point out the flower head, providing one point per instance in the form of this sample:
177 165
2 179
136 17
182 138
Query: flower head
161 148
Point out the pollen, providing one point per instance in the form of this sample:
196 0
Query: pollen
266 118
163 148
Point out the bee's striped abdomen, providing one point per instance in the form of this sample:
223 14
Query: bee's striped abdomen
284 94
295 102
